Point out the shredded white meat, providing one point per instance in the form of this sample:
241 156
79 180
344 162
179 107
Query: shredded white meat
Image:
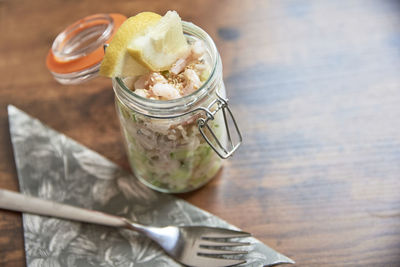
183 78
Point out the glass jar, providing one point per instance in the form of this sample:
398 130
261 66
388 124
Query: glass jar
178 145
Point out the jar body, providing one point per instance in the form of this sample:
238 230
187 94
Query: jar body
166 148
170 154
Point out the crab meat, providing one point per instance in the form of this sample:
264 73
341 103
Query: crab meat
142 82
192 78
156 78
178 66
141 92
185 76
165 90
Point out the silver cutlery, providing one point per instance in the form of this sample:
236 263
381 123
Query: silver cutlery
189 245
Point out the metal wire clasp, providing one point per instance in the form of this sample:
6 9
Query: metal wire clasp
215 106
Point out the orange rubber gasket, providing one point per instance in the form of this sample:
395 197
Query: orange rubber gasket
87 61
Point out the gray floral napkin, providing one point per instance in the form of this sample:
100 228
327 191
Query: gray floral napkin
52 166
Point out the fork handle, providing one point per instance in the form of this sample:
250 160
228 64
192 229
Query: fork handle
19 202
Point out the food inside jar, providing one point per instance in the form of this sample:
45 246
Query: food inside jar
184 77
169 155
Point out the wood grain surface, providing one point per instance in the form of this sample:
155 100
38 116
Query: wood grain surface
315 86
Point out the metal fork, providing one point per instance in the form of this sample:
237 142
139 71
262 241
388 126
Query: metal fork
189 245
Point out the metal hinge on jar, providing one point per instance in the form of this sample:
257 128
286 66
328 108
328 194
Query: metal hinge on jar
219 104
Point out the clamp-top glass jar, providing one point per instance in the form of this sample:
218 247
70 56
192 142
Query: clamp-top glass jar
177 145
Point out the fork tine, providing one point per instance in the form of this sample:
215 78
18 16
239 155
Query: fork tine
223 233
218 252
213 243
217 262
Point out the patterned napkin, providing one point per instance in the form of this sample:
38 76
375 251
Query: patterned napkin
52 166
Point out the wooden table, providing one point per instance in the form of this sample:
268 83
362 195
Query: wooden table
315 86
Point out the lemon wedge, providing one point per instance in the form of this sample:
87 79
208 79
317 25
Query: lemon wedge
117 62
162 44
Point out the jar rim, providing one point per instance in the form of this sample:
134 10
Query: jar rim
76 52
185 102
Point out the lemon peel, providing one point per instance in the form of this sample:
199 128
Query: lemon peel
117 62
